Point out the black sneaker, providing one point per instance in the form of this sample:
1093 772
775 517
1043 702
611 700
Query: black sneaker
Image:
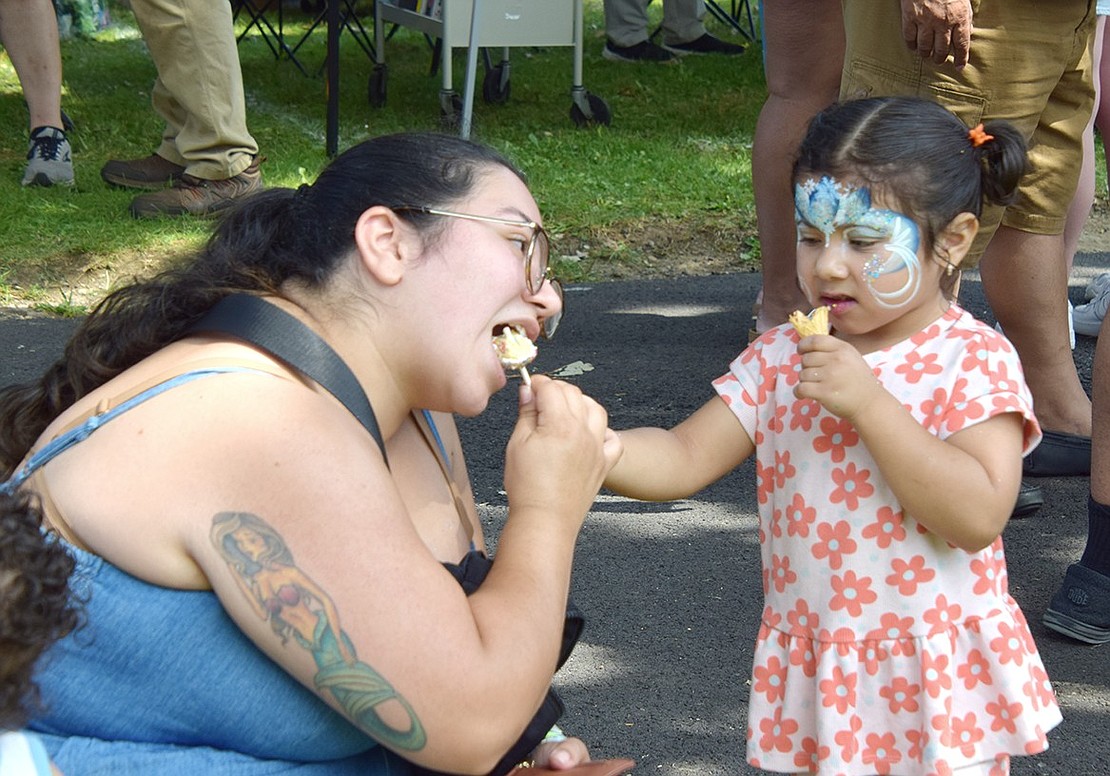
644 51
1080 609
706 44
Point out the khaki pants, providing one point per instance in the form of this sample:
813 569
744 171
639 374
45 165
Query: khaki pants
199 89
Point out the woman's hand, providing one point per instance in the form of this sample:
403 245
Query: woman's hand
560 450
834 373
560 755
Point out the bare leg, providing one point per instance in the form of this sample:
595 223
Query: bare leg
804 58
1085 194
29 31
1025 280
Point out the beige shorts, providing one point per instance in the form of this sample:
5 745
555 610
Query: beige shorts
1030 64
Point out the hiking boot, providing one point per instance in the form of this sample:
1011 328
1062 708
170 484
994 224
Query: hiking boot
644 51
1081 607
706 44
48 159
198 197
152 173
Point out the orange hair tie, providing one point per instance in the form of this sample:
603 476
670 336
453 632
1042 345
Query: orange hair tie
977 136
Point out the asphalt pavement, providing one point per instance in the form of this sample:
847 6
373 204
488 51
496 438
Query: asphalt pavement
672 591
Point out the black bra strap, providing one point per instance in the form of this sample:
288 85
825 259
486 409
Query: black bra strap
281 335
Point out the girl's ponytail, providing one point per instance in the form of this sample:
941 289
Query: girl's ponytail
1002 160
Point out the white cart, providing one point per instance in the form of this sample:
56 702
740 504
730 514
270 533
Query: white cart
478 24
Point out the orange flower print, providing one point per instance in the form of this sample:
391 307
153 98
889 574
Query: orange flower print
932 410
776 732
765 481
847 739
943 616
965 734
770 679
886 529
901 695
784 470
1003 714
1038 688
1010 645
836 436
791 372
1037 745
919 740
962 412
768 374
881 752
802 414
851 486
1002 381
1005 403
1001 766
842 640
907 575
916 366
775 423
776 526
988 576
810 755
835 542
839 690
979 356
802 620
781 574
872 654
926 335
975 671
803 655
894 631
852 593
934 674
799 517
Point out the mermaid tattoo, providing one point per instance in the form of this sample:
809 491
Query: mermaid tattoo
296 607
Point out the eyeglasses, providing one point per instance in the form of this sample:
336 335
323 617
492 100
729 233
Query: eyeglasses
536 250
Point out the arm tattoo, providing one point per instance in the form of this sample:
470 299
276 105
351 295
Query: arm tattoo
296 607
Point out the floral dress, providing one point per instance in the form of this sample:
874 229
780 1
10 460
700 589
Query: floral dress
882 648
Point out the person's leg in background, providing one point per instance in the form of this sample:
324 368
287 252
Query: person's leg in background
29 32
213 159
1088 317
803 58
1080 608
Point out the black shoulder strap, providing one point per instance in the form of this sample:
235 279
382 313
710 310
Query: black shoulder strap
283 336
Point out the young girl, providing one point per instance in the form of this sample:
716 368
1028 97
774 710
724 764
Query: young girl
888 461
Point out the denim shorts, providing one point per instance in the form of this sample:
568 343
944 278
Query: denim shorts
1030 64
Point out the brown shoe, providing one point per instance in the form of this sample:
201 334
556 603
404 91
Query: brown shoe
153 173
198 197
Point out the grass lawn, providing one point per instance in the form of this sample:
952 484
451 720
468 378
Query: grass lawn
664 189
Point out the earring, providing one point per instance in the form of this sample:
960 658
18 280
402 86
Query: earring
948 270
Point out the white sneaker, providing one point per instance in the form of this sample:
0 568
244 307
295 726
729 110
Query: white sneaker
1088 317
1096 285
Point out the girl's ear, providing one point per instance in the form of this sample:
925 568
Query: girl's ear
954 241
384 241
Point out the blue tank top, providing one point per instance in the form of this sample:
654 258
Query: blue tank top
161 682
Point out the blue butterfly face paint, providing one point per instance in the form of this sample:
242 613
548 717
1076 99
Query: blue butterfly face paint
884 242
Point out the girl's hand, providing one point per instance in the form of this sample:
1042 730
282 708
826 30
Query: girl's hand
560 755
835 374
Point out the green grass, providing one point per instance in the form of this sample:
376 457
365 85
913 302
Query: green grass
676 156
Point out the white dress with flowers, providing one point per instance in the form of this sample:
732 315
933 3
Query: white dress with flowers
882 648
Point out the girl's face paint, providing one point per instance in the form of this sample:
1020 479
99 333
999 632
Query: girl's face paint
864 262
885 241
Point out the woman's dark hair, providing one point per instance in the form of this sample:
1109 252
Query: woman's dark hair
918 152
275 237
36 608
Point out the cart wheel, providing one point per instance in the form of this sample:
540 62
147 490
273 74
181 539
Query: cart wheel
496 86
595 112
377 88
450 110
